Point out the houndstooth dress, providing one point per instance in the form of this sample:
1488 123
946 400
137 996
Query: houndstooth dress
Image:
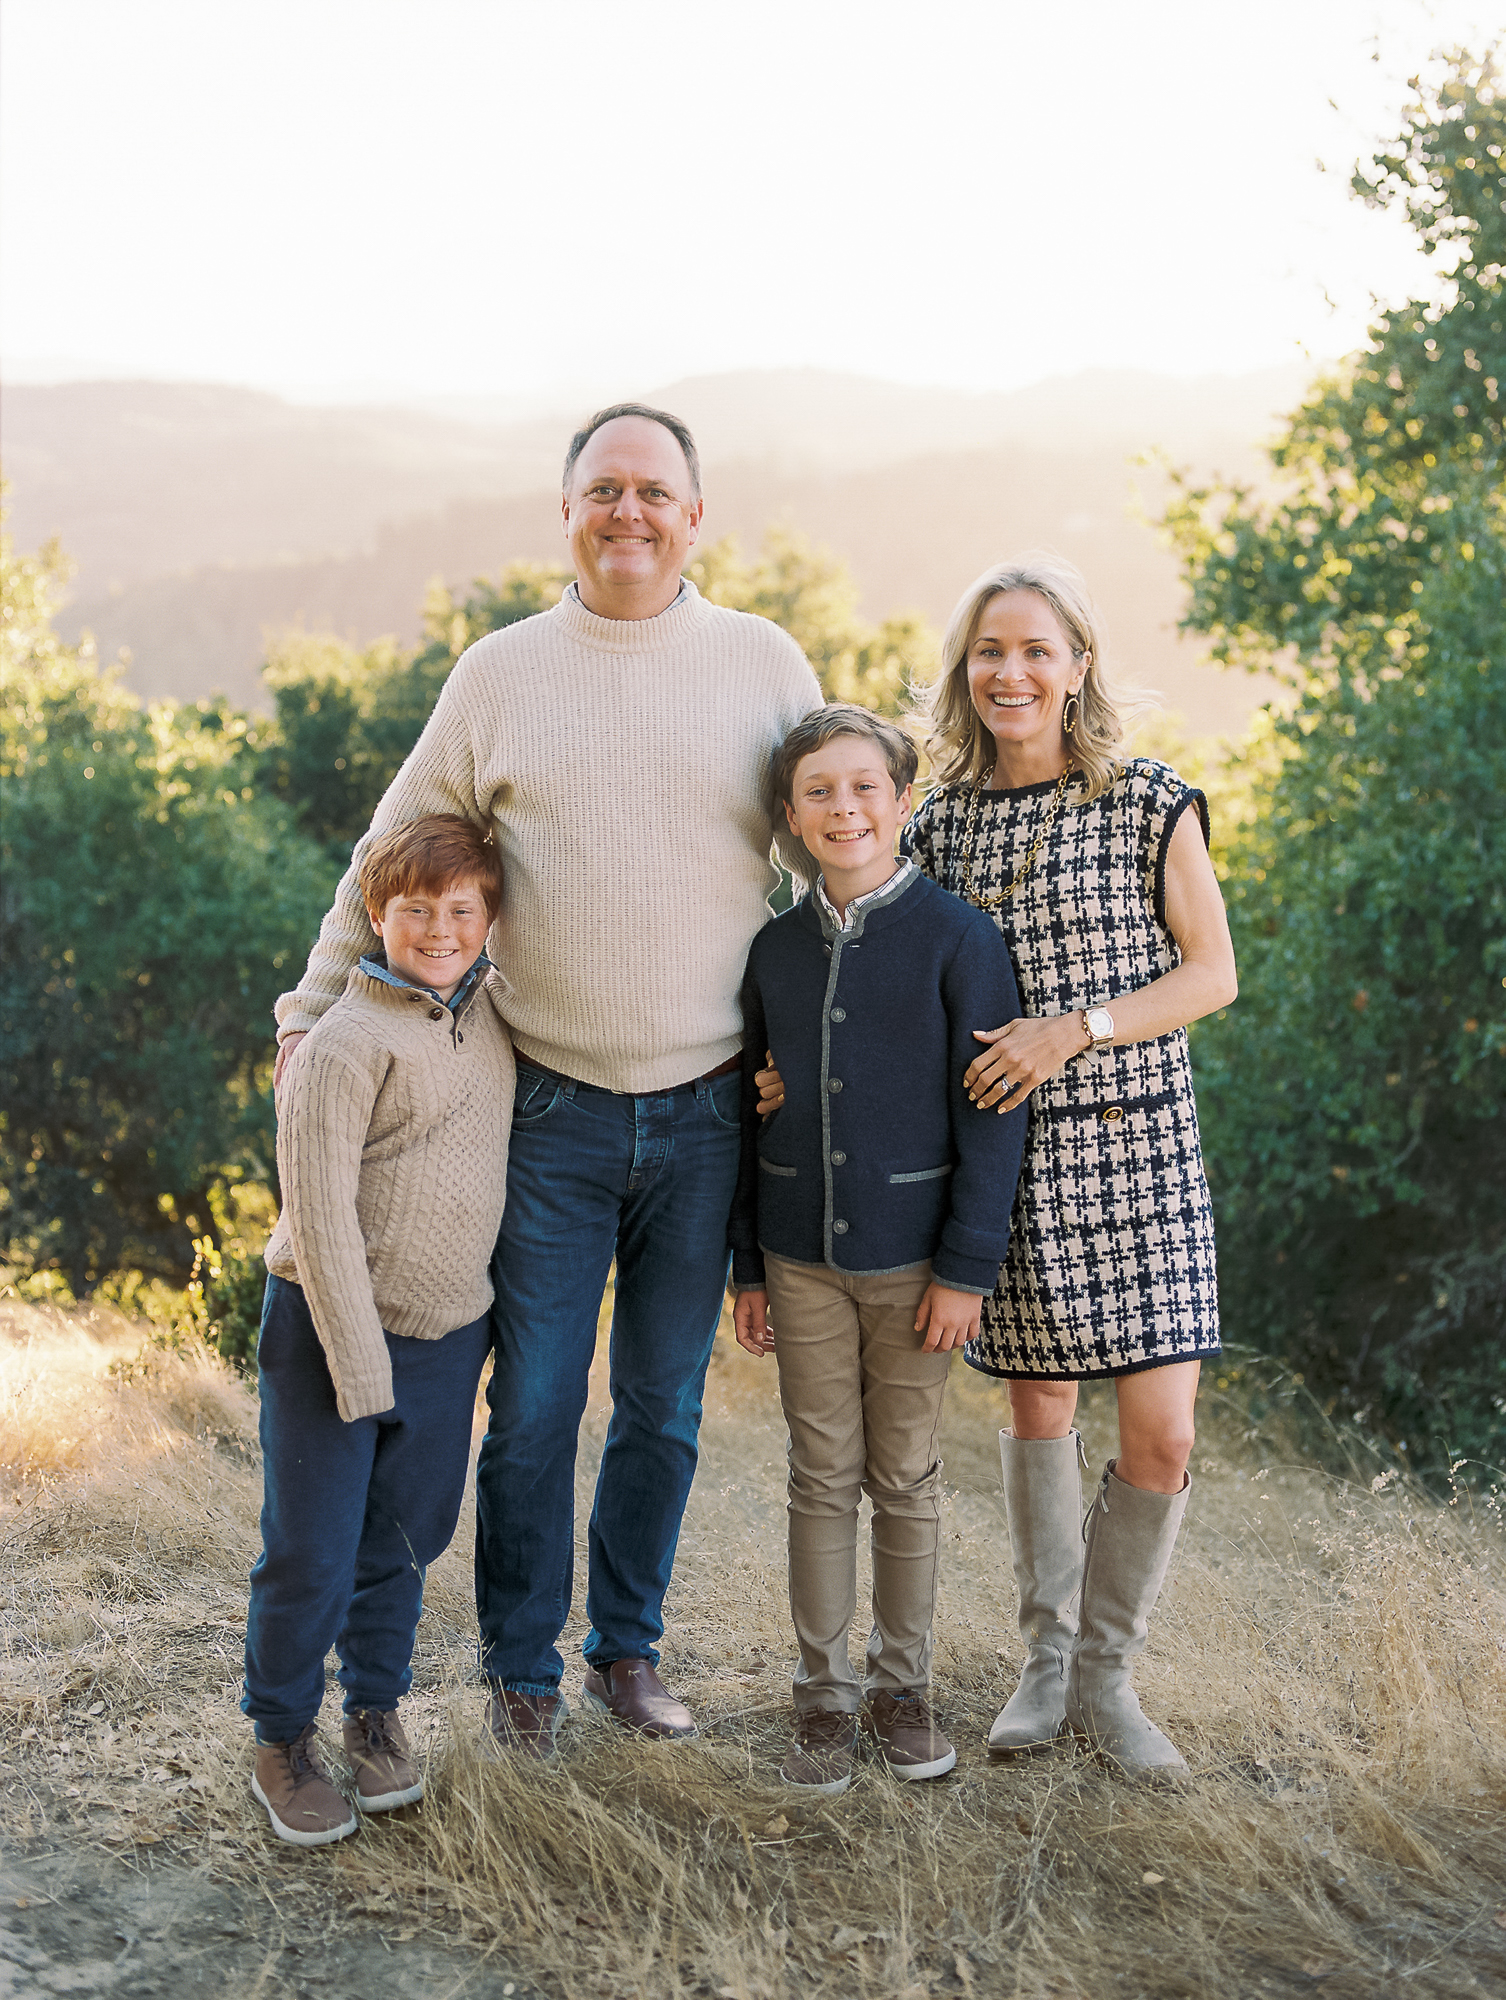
1110 1266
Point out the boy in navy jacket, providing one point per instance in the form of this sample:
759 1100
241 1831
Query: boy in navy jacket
870 1221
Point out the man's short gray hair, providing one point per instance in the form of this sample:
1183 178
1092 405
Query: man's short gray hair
677 428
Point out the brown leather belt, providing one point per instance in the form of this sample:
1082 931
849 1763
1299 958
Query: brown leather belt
722 1069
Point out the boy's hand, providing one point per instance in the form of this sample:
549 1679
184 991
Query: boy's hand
750 1322
770 1086
946 1318
283 1053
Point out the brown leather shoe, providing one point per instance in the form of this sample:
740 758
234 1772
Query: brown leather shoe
820 1758
380 1760
904 1733
633 1694
525 1725
301 1798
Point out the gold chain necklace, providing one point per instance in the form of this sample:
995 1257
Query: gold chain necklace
970 837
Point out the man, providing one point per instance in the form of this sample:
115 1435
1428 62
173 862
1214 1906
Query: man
618 746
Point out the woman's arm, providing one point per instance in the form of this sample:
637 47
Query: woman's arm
1027 1053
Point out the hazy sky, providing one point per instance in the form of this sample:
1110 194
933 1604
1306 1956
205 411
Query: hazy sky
347 196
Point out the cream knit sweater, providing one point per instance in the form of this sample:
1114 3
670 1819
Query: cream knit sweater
392 1124
623 764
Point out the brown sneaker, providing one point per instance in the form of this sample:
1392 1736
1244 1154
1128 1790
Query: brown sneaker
820 1758
633 1694
905 1735
300 1796
527 1725
380 1760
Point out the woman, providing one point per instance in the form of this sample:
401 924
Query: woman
1096 870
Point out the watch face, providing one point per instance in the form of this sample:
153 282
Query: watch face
1100 1021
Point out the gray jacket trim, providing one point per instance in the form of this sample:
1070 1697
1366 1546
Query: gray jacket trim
930 1174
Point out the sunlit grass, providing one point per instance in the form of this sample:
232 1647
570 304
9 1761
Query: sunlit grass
1331 1659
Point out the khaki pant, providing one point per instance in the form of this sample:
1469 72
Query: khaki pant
863 1405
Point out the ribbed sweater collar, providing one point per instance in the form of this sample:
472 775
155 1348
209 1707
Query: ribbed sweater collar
680 623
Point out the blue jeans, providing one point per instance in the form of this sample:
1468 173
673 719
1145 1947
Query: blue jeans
592 1175
352 1514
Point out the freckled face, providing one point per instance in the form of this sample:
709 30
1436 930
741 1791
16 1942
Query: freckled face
1021 669
434 940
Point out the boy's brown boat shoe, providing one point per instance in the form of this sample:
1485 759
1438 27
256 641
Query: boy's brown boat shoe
524 1725
820 1758
633 1694
904 1733
302 1800
380 1760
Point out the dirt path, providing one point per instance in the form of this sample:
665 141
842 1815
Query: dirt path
76 1923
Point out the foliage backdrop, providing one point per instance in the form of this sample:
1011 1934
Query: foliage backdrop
166 869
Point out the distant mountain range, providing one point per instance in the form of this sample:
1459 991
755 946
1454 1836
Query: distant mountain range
203 518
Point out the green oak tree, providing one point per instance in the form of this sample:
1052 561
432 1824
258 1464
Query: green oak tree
1352 1099
152 909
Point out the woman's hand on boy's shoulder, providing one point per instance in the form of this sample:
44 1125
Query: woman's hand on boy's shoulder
948 1319
750 1322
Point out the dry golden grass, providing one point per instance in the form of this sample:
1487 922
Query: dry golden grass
1332 1661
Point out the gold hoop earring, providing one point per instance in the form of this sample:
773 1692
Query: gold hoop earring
1071 712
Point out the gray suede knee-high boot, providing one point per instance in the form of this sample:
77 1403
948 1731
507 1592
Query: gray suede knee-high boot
1131 1534
1044 1499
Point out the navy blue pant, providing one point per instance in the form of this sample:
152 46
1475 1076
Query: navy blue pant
352 1514
592 1175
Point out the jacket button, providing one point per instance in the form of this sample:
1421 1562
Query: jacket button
834 1085
839 1229
827 949
839 1159
839 1013
458 1036
436 1013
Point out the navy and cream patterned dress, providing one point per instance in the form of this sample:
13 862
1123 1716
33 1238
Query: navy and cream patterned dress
1110 1266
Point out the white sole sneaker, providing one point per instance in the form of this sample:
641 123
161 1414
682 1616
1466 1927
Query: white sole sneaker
387 1801
292 1835
937 1768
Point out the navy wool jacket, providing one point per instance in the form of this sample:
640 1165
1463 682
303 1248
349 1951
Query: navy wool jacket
876 1160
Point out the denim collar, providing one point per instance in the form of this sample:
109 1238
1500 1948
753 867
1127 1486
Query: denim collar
375 966
851 925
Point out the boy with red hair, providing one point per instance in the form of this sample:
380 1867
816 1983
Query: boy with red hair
392 1153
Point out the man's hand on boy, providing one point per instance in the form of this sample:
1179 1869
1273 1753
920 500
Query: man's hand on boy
750 1322
770 1086
1024 1054
946 1318
283 1053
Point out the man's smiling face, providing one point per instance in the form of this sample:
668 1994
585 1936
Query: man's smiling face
630 518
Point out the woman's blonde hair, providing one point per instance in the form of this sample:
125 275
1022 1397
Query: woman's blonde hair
960 747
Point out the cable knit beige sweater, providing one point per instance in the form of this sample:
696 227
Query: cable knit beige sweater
623 764
392 1124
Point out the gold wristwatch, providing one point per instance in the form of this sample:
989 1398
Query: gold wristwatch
1098 1026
